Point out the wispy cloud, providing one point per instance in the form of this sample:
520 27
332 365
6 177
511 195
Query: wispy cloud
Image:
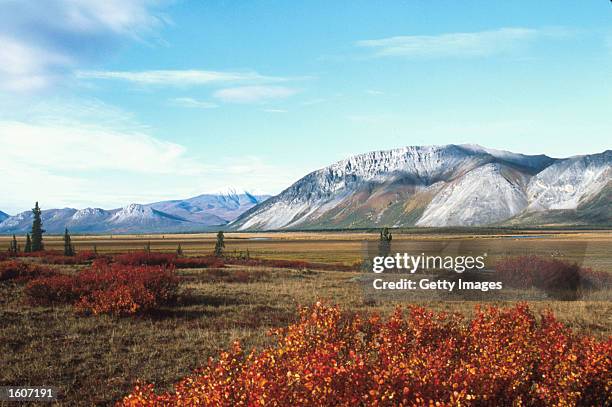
275 110
26 67
83 147
193 103
179 77
472 44
41 43
254 94
92 154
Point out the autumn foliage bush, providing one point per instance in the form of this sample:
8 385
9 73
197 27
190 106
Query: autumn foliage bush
501 357
18 270
550 275
108 289
145 258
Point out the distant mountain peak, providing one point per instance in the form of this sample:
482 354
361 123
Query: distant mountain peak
193 214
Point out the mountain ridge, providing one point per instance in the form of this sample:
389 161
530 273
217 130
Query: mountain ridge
141 218
425 186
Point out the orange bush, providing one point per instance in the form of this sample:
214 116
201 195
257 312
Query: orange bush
501 357
108 289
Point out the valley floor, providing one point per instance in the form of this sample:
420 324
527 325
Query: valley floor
95 360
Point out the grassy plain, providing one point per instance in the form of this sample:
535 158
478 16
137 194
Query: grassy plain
95 360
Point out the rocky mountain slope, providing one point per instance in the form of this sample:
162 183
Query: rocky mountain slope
193 214
452 185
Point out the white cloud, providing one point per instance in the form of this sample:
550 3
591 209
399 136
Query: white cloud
275 110
192 103
85 153
83 147
474 44
254 94
176 77
25 67
41 42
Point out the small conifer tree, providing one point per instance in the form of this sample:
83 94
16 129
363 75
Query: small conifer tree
384 243
14 248
68 247
28 244
179 250
37 230
220 244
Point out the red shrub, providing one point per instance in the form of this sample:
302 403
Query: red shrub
86 255
144 258
502 357
14 269
114 289
58 289
79 258
199 262
119 300
550 275
43 253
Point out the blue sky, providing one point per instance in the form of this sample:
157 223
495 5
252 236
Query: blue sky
107 103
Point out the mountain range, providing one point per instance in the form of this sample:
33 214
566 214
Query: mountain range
439 186
423 186
200 213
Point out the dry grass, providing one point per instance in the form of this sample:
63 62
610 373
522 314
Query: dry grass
94 360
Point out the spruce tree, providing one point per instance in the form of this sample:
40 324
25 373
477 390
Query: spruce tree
179 250
219 245
147 247
28 244
384 244
13 248
68 247
37 230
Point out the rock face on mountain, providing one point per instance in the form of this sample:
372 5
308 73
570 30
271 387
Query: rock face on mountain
452 185
193 214
3 216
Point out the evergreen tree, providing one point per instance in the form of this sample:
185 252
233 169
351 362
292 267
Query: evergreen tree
384 244
37 230
147 247
179 250
68 247
14 248
28 244
95 250
219 245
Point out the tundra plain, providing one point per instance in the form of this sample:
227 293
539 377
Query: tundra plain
95 360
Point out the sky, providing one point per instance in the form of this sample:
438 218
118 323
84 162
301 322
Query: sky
119 101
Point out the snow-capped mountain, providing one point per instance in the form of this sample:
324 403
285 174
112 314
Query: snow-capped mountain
193 214
452 185
3 216
210 208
